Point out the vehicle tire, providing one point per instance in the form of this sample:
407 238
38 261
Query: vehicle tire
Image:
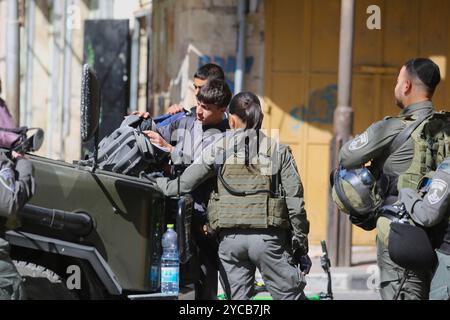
41 283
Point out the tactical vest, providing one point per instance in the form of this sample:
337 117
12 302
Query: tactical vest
244 199
431 140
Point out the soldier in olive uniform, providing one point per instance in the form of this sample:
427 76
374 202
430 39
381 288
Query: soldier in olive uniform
430 211
16 188
251 220
415 87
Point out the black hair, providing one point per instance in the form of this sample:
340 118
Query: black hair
426 71
210 71
247 107
216 92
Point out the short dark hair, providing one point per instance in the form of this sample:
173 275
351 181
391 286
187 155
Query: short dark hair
247 107
210 71
426 71
215 92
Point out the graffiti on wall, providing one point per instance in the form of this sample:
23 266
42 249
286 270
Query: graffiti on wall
228 65
319 108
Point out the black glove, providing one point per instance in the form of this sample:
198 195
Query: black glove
305 264
299 245
368 223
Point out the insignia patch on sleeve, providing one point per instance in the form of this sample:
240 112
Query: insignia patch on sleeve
359 142
438 190
444 166
7 179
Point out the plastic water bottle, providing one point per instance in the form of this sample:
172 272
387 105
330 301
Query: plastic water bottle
170 267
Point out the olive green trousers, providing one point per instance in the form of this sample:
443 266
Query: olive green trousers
416 286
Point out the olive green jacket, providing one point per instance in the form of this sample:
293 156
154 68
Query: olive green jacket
435 205
373 143
277 160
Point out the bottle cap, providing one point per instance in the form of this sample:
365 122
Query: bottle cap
170 226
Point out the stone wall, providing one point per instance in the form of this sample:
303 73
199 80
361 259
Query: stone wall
188 34
2 42
185 35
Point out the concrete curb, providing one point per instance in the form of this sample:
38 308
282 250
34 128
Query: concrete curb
344 280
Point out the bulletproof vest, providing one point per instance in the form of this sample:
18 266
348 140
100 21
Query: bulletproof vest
438 235
245 199
431 140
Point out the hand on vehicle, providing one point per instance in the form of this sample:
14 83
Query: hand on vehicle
17 155
175 108
142 114
157 140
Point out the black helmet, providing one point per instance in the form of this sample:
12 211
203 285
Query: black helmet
355 192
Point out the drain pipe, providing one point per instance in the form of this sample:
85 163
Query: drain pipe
67 77
134 74
340 228
31 9
239 73
12 60
54 120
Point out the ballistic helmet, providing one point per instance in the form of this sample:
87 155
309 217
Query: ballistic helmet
355 192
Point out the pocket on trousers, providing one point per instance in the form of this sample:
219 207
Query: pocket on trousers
440 293
290 259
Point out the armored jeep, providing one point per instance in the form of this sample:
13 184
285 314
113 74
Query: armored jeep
94 234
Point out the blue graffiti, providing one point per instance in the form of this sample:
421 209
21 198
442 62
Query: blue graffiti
319 109
228 65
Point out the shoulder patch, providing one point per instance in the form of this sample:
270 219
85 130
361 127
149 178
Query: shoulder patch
359 142
445 166
438 190
7 179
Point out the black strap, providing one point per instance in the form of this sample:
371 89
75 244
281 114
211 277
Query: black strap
402 137
19 130
240 193
402 283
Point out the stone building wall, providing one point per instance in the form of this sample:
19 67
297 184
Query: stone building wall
188 34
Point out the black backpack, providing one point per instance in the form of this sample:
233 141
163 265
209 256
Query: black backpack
127 149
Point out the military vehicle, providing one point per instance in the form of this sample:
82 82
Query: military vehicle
94 234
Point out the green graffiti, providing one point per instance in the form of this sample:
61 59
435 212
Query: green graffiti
90 55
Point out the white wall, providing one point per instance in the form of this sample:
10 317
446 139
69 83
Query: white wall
2 44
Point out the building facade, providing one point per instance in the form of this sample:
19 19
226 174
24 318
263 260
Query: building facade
290 61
